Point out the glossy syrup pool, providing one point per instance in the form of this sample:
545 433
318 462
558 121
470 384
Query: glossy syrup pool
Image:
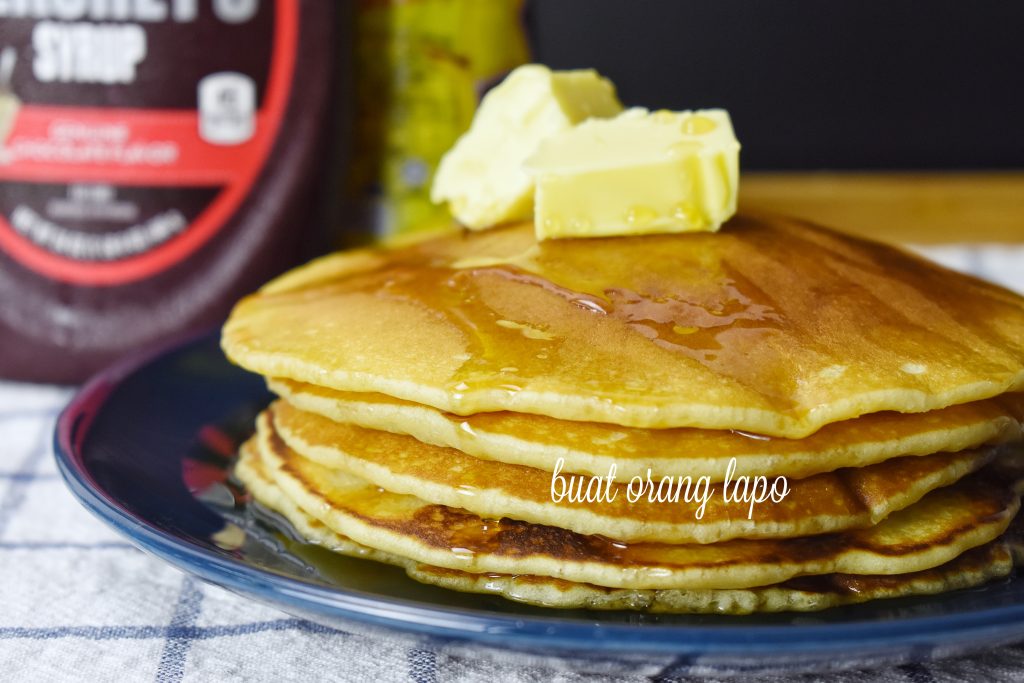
262 538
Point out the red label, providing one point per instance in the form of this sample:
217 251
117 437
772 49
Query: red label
126 145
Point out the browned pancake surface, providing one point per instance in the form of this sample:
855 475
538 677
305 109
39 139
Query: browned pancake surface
845 499
936 529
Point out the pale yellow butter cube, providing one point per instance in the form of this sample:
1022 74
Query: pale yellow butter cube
482 176
639 173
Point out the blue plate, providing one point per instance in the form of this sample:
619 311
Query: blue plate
147 447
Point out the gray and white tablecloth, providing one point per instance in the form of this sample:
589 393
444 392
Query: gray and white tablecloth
78 603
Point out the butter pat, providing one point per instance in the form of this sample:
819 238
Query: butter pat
482 176
639 173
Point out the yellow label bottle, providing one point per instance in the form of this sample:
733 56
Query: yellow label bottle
420 68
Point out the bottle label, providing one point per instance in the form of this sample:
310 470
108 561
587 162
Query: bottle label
131 130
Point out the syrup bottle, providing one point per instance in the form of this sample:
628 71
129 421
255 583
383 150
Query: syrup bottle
158 161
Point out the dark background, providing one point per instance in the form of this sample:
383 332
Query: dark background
842 84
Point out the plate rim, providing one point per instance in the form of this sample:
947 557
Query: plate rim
529 632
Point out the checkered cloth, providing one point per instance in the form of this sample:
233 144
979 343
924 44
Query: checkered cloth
77 602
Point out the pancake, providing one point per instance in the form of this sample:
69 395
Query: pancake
592 448
828 502
770 326
975 567
972 568
936 529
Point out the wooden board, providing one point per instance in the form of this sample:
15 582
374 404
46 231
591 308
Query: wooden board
915 208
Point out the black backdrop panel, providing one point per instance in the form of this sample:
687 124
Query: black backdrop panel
851 84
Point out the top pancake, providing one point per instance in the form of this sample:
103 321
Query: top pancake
769 326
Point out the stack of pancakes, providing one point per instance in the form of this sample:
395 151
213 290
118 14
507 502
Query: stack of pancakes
435 399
